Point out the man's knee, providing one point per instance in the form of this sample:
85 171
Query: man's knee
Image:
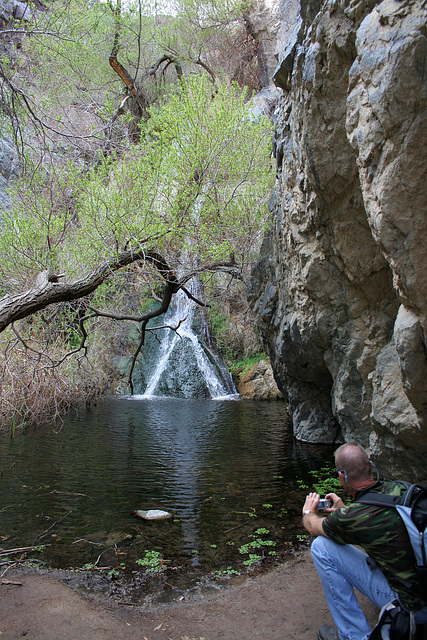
319 546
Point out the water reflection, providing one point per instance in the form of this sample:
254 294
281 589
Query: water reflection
221 468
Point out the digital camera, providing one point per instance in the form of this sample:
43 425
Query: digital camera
324 503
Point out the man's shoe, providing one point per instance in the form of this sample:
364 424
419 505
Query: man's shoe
327 633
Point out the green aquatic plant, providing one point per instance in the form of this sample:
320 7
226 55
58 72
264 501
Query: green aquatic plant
229 571
260 531
151 561
253 559
258 543
325 481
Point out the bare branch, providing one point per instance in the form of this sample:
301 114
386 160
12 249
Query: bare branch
48 290
123 73
170 60
18 93
206 68
190 295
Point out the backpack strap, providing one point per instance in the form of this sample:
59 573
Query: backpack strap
412 508
370 496
415 499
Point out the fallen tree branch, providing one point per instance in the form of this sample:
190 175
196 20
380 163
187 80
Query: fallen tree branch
48 290
6 552
66 493
43 533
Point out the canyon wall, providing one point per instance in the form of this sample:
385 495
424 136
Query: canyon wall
340 290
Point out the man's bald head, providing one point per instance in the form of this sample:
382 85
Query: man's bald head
353 458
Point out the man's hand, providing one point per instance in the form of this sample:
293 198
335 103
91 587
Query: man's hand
337 503
311 502
312 521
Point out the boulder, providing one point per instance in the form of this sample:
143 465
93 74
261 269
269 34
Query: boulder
258 383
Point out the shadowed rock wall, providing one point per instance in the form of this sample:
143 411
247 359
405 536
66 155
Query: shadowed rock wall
340 291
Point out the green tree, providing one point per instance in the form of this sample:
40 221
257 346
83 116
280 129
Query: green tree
190 198
86 70
116 198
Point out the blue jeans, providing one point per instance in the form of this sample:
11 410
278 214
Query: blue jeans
342 567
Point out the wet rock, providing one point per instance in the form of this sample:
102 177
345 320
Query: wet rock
152 514
115 537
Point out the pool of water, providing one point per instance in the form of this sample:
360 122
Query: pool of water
228 471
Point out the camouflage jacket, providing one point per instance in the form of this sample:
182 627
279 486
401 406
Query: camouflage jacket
382 535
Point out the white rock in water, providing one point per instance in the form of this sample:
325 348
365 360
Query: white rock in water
153 514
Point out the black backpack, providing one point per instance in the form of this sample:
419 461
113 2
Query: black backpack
397 623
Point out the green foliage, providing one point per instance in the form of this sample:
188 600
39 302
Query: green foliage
248 362
200 29
302 537
195 186
214 160
257 543
324 481
68 52
151 562
229 571
220 323
33 237
231 321
72 45
252 560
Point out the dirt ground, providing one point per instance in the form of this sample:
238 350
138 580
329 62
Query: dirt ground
285 604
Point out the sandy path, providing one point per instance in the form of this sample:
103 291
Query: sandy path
285 604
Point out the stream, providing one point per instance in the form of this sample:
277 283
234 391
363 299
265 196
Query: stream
229 472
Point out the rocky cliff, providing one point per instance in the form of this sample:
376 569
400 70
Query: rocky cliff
340 291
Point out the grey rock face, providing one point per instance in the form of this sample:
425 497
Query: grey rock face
9 169
9 162
12 9
341 288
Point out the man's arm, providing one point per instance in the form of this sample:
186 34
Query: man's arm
313 524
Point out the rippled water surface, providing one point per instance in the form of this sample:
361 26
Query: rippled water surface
224 469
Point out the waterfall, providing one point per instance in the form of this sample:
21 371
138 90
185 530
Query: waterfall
184 367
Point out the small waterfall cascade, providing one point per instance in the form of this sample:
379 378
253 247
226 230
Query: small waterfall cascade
181 365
